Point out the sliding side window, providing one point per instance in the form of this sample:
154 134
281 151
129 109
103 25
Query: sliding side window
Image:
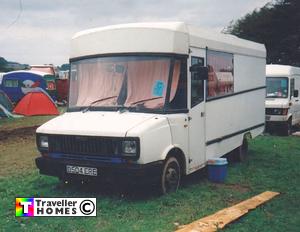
220 74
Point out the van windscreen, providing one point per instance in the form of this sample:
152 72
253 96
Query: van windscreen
277 87
128 81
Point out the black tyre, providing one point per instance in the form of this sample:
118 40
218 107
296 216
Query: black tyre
287 129
240 154
171 175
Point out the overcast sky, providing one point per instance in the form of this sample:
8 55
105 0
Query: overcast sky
38 32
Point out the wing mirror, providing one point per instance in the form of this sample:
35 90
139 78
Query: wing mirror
296 93
200 72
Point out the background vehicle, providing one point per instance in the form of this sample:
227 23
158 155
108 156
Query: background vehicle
282 98
154 101
46 68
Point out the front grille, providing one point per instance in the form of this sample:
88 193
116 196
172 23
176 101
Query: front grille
84 145
269 111
274 111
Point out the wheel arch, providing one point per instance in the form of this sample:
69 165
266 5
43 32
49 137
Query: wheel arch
179 155
247 136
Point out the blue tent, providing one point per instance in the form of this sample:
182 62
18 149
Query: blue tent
17 83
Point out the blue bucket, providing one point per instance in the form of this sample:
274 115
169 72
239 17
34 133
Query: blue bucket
217 169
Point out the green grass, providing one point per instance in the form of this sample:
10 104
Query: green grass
273 165
14 123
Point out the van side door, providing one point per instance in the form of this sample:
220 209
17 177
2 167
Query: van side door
196 114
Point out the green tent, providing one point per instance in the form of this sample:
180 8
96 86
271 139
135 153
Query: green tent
6 103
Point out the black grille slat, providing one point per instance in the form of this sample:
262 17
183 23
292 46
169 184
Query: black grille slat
83 145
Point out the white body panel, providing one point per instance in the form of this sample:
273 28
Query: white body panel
173 37
180 134
291 103
92 123
238 113
209 129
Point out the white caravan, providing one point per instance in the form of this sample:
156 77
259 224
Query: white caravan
282 99
154 101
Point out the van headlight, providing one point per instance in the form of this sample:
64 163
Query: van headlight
43 143
129 147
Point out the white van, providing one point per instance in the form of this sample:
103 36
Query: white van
282 99
154 101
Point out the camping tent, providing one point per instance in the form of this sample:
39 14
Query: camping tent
5 103
17 83
36 103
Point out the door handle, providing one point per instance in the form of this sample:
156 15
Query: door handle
297 100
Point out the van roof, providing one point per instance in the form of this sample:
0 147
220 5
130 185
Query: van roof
173 37
281 70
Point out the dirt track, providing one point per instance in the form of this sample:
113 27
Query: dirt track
17 133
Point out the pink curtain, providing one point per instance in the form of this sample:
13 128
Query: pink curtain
143 77
93 81
96 81
212 82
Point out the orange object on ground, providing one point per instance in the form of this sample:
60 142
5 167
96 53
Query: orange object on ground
220 219
36 103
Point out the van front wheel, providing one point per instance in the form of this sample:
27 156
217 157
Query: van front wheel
170 178
287 128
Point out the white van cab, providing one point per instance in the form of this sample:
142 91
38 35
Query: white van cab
282 99
154 101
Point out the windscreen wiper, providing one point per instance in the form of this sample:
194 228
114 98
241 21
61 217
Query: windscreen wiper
147 99
99 100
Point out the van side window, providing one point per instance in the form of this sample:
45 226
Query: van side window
11 83
220 73
197 86
178 91
292 86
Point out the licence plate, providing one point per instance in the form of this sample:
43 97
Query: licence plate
87 171
268 117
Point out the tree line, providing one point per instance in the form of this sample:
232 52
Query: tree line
277 25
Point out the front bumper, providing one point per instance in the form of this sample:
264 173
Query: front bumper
106 171
277 118
275 126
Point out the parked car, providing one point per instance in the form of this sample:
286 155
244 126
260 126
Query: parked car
139 105
282 99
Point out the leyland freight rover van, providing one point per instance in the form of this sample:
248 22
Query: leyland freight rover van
282 99
154 101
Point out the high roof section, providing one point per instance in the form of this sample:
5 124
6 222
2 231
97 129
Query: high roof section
167 37
281 70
